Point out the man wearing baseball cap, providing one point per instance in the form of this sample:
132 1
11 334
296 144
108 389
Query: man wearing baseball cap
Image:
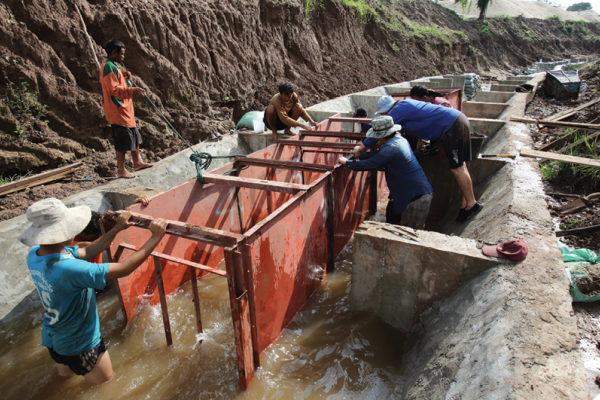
66 281
448 126
410 192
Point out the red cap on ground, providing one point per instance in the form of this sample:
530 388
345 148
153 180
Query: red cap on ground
514 250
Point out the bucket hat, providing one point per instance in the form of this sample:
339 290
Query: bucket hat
383 126
52 222
384 104
514 250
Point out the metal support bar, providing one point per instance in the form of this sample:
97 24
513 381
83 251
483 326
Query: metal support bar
196 301
350 119
259 184
335 134
198 233
330 223
163 300
291 165
309 143
327 151
177 260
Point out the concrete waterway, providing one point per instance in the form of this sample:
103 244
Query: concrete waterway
326 352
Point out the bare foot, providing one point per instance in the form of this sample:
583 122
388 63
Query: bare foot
288 131
142 166
125 174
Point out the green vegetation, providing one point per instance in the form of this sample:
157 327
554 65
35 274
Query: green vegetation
364 11
482 5
553 18
22 102
484 27
580 7
504 17
567 29
310 6
573 175
571 223
12 178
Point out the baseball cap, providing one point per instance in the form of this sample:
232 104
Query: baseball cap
515 250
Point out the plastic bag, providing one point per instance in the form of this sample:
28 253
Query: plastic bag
247 120
577 261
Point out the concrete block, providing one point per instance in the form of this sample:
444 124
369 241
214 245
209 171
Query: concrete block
418 268
367 102
493 97
442 82
427 84
503 88
474 109
513 81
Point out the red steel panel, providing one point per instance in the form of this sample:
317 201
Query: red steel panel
210 206
288 257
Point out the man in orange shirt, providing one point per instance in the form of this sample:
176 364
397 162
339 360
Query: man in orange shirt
284 110
118 107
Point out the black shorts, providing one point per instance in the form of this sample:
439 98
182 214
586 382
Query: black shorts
278 124
80 364
457 142
126 139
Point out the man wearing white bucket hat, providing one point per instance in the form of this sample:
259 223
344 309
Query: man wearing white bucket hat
410 192
66 283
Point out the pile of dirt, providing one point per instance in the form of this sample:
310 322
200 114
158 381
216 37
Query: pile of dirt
527 9
206 63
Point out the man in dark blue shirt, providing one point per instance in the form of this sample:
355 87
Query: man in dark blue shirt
410 192
438 123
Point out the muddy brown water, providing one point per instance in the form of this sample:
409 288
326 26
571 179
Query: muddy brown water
326 352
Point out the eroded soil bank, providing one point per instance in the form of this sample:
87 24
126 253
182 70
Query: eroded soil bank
206 63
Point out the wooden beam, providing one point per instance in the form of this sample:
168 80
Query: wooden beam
560 157
335 134
562 140
259 184
291 165
177 260
198 233
309 143
578 231
593 127
39 179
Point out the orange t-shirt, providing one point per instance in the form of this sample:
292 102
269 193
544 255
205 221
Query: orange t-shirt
116 95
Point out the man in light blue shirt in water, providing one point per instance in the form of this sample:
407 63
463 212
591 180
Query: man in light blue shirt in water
66 281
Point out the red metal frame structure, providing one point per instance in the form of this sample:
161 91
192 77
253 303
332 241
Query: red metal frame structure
278 224
453 94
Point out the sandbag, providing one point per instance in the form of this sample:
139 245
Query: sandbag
577 262
246 121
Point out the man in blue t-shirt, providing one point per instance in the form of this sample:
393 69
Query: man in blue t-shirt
66 281
438 123
410 192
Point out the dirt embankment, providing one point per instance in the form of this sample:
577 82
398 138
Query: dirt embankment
205 63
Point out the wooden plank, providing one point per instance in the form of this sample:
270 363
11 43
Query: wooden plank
163 300
291 165
39 179
578 231
560 116
251 183
309 143
593 127
178 260
335 134
562 140
560 157
181 229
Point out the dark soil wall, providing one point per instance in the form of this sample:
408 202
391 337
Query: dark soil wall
207 62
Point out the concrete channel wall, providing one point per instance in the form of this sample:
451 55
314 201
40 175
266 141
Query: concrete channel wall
492 328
